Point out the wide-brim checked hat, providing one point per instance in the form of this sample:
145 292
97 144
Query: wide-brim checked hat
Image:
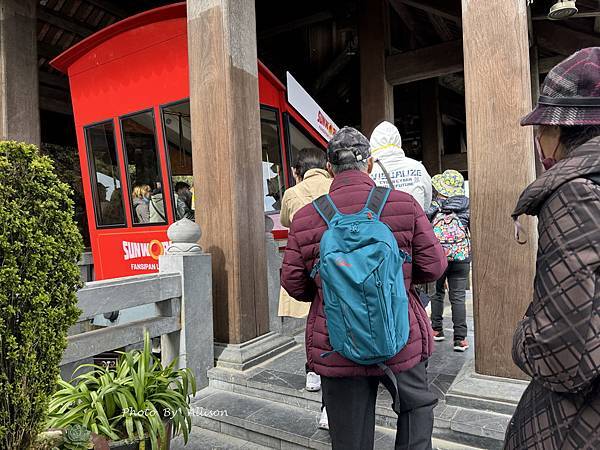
348 145
450 183
570 93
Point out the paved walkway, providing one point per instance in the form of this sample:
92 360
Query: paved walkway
286 374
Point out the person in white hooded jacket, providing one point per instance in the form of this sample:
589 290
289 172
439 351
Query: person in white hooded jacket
407 174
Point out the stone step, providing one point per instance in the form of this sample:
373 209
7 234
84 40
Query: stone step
274 424
201 439
451 423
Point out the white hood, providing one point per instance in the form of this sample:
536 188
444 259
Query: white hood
407 174
386 138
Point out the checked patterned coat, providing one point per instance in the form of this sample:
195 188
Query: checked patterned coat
558 341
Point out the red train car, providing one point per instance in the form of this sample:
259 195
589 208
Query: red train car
130 89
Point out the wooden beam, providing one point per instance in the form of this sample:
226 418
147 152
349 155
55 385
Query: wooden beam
452 104
55 93
534 59
456 161
432 134
407 18
109 7
57 106
376 93
224 90
19 99
72 25
498 94
295 24
48 51
337 66
454 82
442 8
54 80
545 65
441 27
560 39
429 62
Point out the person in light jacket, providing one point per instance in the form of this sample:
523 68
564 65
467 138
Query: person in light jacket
313 181
557 343
141 203
392 165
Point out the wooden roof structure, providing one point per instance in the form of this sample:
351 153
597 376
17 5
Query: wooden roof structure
318 42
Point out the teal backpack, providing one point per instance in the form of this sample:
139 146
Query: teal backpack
360 265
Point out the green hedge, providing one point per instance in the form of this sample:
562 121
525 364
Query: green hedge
39 248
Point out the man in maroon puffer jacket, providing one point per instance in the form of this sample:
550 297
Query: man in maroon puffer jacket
349 389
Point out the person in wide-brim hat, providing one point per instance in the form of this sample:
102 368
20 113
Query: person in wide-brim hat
449 184
557 342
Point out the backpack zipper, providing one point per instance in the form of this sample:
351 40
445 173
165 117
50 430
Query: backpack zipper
379 285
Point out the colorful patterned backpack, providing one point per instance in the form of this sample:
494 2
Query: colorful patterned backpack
453 236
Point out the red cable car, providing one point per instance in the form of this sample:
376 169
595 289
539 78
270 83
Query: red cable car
130 88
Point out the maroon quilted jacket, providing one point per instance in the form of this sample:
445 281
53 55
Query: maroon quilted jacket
414 234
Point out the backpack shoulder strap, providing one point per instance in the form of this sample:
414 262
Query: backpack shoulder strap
325 207
377 199
386 174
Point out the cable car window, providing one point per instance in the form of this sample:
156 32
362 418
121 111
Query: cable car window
106 181
298 140
178 136
272 168
143 169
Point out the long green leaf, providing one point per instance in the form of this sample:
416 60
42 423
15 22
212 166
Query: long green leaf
140 430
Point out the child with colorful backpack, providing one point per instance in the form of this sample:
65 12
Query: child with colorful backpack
449 215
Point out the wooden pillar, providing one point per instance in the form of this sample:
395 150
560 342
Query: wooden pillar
376 94
432 133
227 162
501 165
19 102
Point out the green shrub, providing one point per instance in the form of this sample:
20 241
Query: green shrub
39 248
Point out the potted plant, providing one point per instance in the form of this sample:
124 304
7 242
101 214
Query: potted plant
136 404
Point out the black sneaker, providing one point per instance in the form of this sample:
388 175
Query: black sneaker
438 335
461 345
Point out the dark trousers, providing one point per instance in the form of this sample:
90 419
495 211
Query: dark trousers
351 409
322 396
457 275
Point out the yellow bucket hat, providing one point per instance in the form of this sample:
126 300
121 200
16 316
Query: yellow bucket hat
449 184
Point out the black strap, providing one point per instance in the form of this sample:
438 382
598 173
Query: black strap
388 373
575 102
387 175
378 199
325 208
158 212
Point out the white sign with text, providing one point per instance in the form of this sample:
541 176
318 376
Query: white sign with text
308 108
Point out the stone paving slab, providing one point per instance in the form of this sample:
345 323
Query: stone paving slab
201 439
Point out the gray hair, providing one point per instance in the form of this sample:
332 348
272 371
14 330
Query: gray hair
354 165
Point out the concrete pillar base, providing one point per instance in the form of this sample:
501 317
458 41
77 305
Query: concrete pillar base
475 391
248 354
480 406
